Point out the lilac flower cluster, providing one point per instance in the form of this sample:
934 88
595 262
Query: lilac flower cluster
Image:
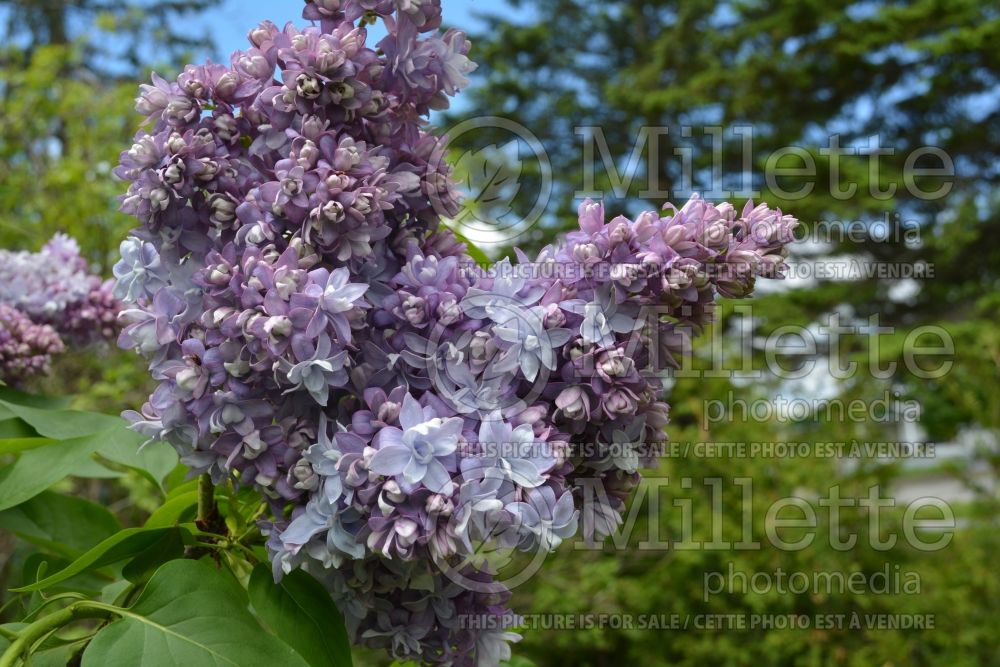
317 335
26 348
49 299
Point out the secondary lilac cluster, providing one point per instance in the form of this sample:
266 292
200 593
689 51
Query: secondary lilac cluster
26 348
318 335
50 299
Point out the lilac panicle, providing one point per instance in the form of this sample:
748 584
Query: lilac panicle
26 348
318 335
49 297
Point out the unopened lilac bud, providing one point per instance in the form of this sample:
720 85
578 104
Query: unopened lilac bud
260 35
392 492
255 65
181 111
223 209
187 379
238 368
173 173
338 181
225 126
341 91
308 155
308 87
388 412
448 311
256 235
326 7
313 127
346 157
415 310
613 363
327 60
620 233
159 199
618 403
716 235
366 456
332 211
438 505
209 169
151 100
144 152
305 477
554 316
363 204
584 252
479 346
674 235
573 403
227 85
278 326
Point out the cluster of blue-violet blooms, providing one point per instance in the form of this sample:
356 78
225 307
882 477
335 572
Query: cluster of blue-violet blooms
49 300
317 333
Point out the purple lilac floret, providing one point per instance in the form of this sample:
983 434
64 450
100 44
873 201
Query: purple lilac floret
317 333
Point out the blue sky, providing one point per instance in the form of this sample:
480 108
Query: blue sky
230 21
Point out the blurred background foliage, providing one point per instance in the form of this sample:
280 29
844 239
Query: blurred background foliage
921 72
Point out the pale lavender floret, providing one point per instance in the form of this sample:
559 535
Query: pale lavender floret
421 451
325 369
139 272
516 452
532 344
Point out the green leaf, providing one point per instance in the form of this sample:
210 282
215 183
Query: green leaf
63 424
63 525
189 614
168 547
302 613
18 445
154 461
14 427
171 512
124 544
11 395
38 469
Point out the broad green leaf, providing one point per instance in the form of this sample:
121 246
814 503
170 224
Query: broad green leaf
93 469
18 445
14 427
38 469
63 525
168 547
154 461
63 424
127 543
38 565
302 613
11 395
190 614
173 510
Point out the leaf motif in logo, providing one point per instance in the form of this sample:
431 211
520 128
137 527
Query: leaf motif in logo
490 177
